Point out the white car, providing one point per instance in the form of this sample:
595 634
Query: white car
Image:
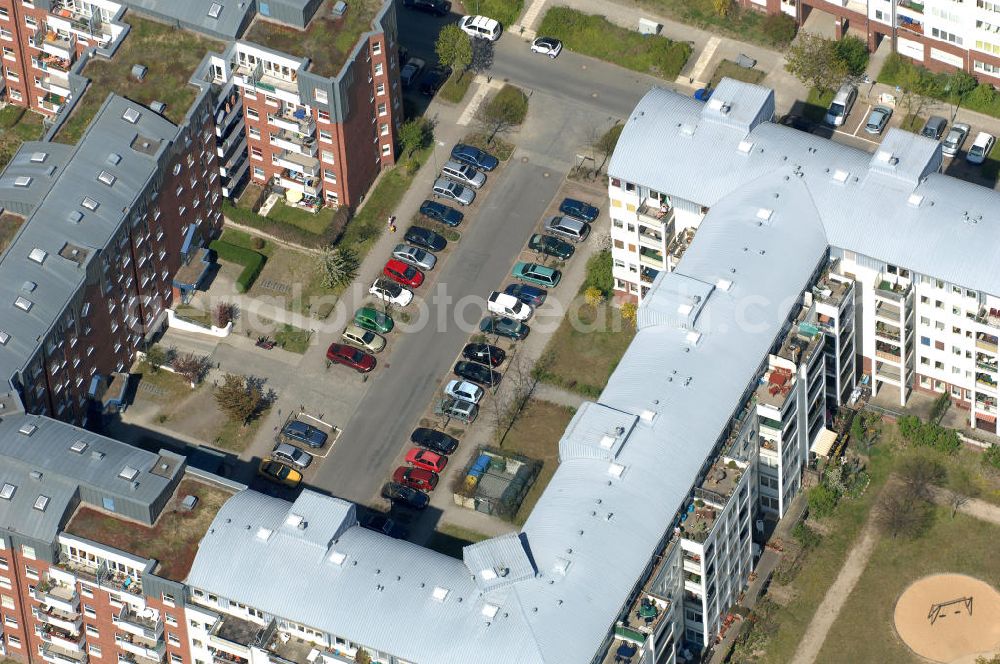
291 454
980 148
956 137
453 192
549 46
508 305
464 390
391 292
481 27
410 71
413 256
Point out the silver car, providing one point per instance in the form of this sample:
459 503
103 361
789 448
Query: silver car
453 192
955 139
464 174
291 454
414 256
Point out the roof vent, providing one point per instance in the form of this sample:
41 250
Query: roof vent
36 475
128 473
607 441
693 337
687 129
439 594
22 181
647 415
914 200
685 309
337 558
724 284
745 147
28 428
158 107
97 455
214 10
90 203
764 214
29 286
131 115
41 503
114 158
616 470
38 255
39 157
189 502
840 176
264 533
488 575
79 447
139 72
490 610
7 491
561 566
74 217
106 178
4 338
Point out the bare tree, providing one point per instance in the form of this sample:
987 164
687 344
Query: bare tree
961 488
190 366
920 473
899 512
224 313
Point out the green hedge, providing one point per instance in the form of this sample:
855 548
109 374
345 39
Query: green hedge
505 11
956 86
251 261
288 232
597 37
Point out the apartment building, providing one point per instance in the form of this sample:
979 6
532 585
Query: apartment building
113 237
68 595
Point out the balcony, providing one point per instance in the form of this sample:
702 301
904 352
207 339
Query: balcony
55 43
61 638
56 655
293 142
890 291
55 86
145 625
299 124
51 616
51 103
88 24
256 77
653 211
917 7
53 63
990 317
986 404
907 24
888 352
298 163
57 596
651 257
986 363
985 380
150 650
888 332
987 342
650 236
647 274
888 373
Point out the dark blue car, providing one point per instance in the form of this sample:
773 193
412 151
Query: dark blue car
441 213
301 432
474 157
579 210
533 296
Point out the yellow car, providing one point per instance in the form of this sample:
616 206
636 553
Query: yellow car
279 472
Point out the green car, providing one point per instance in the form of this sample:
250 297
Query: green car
533 273
550 246
373 320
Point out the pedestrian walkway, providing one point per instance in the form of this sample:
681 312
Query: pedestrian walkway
532 15
483 87
557 395
702 63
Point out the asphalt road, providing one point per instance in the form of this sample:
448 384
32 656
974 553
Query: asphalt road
361 460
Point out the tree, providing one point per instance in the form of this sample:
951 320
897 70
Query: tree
239 397
853 52
630 312
593 296
454 47
722 7
897 513
919 473
599 273
779 28
156 357
961 488
502 112
415 134
338 267
814 61
991 456
190 366
225 313
606 143
362 657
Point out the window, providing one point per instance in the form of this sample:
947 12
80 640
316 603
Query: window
377 48
256 153
380 89
92 630
168 599
386 150
329 176
252 113
939 365
173 640
939 345
325 136
254 132
6 601
108 503
258 172
89 611
384 130
324 116
94 649
925 341
28 551
382 110
170 619
327 156
13 641
320 96
378 69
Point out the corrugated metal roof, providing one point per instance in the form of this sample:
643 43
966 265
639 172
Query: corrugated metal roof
498 562
866 204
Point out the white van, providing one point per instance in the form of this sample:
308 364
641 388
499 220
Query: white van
463 174
841 105
481 27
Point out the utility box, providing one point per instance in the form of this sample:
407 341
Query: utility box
647 27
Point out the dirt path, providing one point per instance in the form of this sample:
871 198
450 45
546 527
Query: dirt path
977 509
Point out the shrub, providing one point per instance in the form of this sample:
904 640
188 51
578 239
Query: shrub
991 456
630 312
779 29
854 54
929 434
806 536
822 500
593 296
257 243
599 274
251 261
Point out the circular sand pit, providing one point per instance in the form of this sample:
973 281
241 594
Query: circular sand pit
948 617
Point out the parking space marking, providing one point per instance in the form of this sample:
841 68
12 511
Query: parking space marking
861 124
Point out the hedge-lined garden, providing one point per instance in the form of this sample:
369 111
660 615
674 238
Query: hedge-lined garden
252 262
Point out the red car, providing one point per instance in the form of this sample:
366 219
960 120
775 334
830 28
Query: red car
402 273
426 459
350 356
415 478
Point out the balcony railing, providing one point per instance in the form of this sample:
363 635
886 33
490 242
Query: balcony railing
145 626
890 291
918 7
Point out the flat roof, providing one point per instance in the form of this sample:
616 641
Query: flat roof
325 41
172 540
170 56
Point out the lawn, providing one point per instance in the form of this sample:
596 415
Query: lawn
293 339
17 125
9 225
171 56
449 540
170 387
173 540
536 434
740 24
863 631
585 349
817 102
246 240
307 221
597 37
456 86
505 11
235 437
729 69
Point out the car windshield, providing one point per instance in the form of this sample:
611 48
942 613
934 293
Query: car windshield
457 189
876 118
836 109
410 272
976 150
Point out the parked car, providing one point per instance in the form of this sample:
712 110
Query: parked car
410 71
504 327
473 156
536 274
381 523
372 319
290 454
453 191
841 105
797 122
459 409
362 338
980 148
464 174
432 461
934 127
477 373
579 210
433 80
878 119
279 473
301 432
436 7
481 27
955 139
507 305
441 213
433 440
402 273
461 389
572 229
551 246
351 357
425 238
414 256
549 46
389 291
530 295
403 496
484 354
415 478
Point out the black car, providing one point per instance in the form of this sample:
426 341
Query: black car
433 80
433 440
404 496
436 7
474 157
441 213
504 327
533 296
477 373
550 246
381 523
425 238
579 210
797 122
484 354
